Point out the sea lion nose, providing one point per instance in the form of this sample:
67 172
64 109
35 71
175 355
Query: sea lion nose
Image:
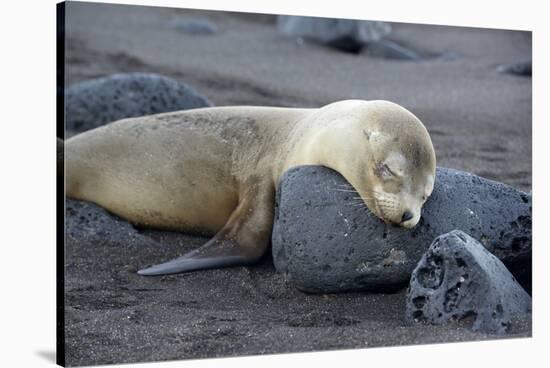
407 215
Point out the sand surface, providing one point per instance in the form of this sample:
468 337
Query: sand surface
479 120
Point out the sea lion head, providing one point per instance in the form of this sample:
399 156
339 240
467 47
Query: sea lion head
394 163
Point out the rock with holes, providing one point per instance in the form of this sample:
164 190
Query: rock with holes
326 241
343 34
459 279
100 101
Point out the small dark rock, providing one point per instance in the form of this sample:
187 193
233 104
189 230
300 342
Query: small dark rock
194 26
100 101
87 222
522 68
318 224
459 280
343 34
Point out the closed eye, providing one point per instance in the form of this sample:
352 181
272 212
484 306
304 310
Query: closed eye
388 170
382 170
397 173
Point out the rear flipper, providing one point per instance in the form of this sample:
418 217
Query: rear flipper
243 239
214 254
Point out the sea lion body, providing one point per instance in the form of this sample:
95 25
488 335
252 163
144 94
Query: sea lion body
213 171
179 171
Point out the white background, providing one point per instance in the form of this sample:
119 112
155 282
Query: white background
27 166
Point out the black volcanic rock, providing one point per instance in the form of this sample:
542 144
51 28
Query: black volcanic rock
96 102
459 279
323 241
87 222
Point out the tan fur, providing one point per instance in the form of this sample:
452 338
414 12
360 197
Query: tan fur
215 170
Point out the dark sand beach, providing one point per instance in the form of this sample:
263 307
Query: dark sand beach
479 121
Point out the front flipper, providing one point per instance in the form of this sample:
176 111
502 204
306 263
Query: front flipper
243 239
